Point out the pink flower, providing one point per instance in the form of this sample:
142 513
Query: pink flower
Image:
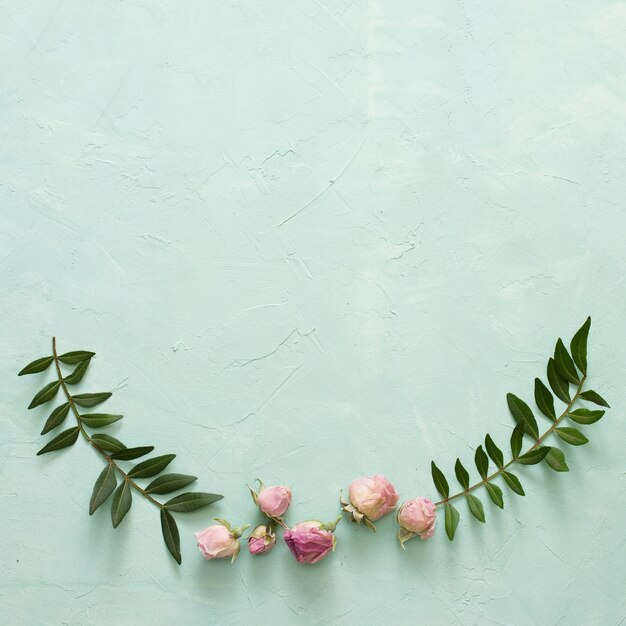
417 517
219 541
371 497
262 539
310 541
274 501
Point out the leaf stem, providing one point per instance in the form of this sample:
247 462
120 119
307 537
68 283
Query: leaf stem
535 445
85 434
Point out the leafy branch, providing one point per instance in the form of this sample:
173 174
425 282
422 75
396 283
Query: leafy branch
563 370
112 450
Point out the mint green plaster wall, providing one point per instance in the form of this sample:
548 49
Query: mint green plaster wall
310 241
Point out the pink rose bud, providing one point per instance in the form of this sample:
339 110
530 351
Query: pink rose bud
273 501
219 541
416 517
311 541
262 539
371 497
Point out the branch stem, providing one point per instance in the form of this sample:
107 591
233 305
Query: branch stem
86 435
535 445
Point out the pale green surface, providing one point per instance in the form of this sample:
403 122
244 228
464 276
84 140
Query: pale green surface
310 242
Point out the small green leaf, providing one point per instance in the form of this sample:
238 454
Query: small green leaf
556 460
534 456
564 363
151 466
440 480
482 462
71 358
461 474
108 443
544 400
495 493
521 413
56 418
594 397
559 385
169 482
66 438
91 399
513 482
122 500
494 452
104 487
191 501
451 521
585 416
170 535
128 454
45 395
578 346
95 420
476 507
517 437
77 375
39 365
572 436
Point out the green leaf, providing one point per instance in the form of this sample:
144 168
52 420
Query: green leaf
451 521
544 400
585 416
66 438
476 507
108 443
128 454
578 346
104 487
71 358
513 482
521 413
56 418
39 365
495 493
572 436
564 363
151 466
45 395
534 456
482 462
559 385
122 500
461 474
77 375
440 480
170 535
169 482
191 501
517 437
95 420
91 399
494 452
556 460
594 397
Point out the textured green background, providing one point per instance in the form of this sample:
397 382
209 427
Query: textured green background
311 241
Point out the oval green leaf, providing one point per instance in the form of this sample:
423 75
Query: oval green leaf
39 365
482 462
578 346
439 479
593 396
56 418
534 456
513 482
66 438
104 487
572 436
108 443
128 454
120 505
151 467
495 493
556 460
71 358
494 452
170 535
169 482
476 507
45 395
584 416
517 437
95 420
558 384
461 474
451 520
544 400
91 399
77 375
521 413
191 501
564 363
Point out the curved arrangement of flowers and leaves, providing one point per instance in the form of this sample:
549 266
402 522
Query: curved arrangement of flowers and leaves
112 450
369 497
